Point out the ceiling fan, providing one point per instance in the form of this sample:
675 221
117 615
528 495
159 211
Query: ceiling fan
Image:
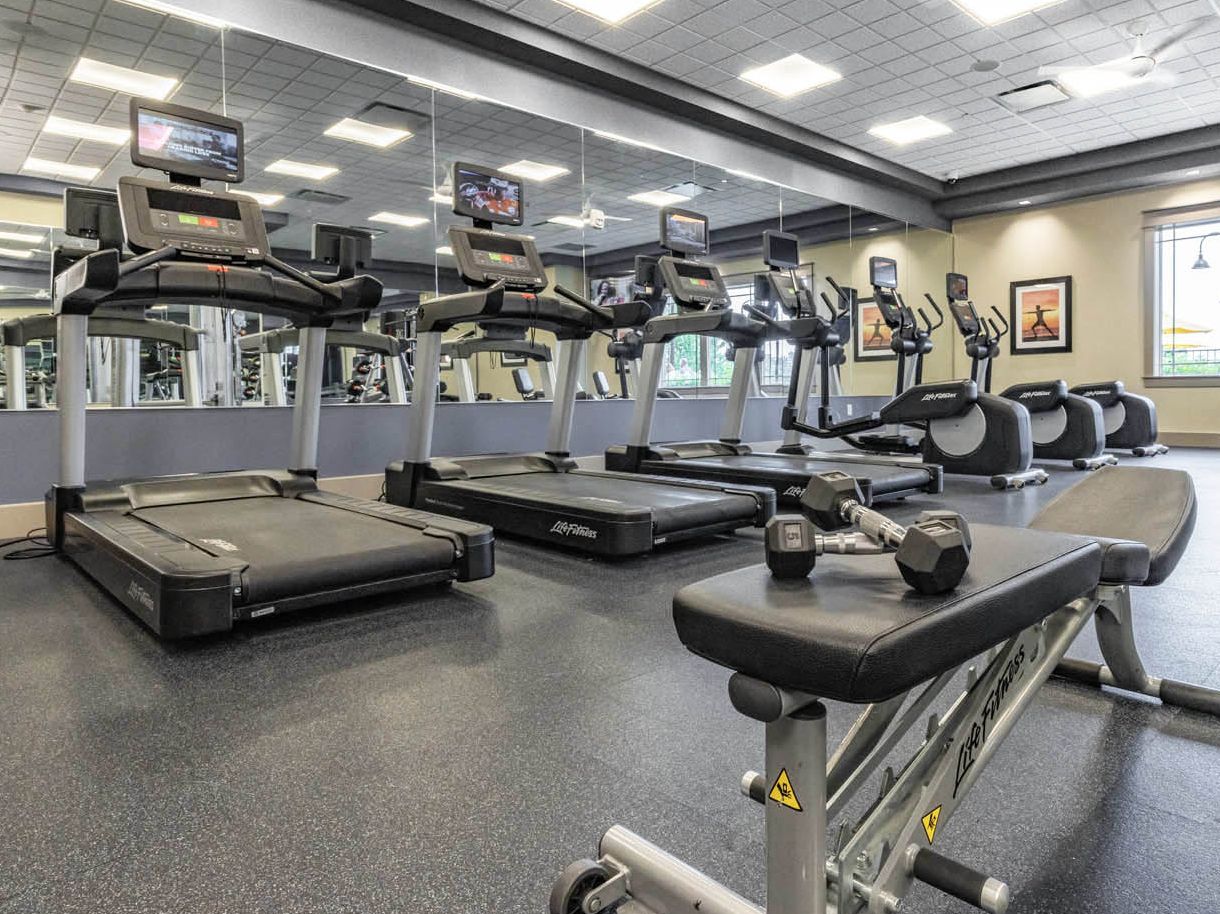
1140 65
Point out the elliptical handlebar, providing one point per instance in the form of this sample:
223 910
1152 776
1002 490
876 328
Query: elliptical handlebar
759 315
1003 323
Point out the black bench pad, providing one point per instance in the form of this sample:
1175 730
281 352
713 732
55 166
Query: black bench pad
855 632
1146 505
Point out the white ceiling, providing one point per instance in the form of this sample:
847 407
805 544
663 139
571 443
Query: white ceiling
288 96
901 58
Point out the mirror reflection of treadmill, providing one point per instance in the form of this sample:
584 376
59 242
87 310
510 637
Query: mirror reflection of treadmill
705 310
545 496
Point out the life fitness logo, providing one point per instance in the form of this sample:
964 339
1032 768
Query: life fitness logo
568 528
1034 393
945 396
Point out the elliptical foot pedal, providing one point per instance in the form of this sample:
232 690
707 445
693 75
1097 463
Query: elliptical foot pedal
1019 480
1095 463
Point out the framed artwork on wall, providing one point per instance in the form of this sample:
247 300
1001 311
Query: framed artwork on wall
1040 313
872 334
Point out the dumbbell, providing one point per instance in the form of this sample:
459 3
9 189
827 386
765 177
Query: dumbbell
932 554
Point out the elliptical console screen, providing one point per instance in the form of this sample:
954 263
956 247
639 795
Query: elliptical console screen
486 195
184 141
957 287
965 318
883 272
781 250
683 231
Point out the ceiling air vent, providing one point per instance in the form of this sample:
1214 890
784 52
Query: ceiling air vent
1035 95
689 189
318 196
573 246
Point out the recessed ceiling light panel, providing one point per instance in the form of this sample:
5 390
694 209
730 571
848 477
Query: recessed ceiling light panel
569 221
1090 81
261 199
790 76
301 170
445 251
657 198
61 126
21 237
911 130
16 254
370 134
399 219
60 169
993 12
612 11
157 6
534 171
121 79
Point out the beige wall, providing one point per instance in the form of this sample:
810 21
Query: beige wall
31 209
1098 242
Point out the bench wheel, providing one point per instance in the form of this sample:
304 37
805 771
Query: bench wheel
574 883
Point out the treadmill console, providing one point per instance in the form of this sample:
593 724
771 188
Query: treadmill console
693 284
192 146
485 257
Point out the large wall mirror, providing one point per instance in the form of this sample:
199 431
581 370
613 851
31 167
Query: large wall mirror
331 142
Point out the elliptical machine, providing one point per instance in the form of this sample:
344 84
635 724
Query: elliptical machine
950 423
1129 419
1065 426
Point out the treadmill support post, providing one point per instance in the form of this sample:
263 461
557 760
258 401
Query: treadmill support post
810 362
563 407
646 396
307 407
71 395
423 397
739 392
14 364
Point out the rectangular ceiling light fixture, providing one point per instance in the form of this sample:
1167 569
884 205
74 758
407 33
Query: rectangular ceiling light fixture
121 79
993 12
399 219
22 237
447 89
301 170
658 198
1090 81
611 11
16 254
1033 96
261 199
61 126
60 169
157 6
441 197
370 134
445 251
533 171
790 76
569 221
912 130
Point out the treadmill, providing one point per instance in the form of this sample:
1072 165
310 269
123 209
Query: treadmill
544 496
704 309
193 554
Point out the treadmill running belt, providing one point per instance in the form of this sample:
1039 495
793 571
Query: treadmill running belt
673 507
295 547
737 467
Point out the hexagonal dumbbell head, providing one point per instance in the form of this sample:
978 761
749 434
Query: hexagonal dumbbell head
949 517
823 499
791 546
934 556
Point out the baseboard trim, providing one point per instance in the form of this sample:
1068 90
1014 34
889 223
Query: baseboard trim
1190 439
19 519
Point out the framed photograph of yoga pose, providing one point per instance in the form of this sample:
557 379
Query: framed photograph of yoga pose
872 334
1040 314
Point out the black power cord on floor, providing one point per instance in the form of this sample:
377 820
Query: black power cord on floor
40 546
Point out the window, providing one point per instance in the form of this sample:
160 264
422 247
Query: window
1184 261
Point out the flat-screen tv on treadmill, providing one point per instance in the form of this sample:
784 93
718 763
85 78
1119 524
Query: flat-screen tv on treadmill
487 196
182 142
883 272
683 231
781 250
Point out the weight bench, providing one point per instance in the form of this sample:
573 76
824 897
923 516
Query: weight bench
854 632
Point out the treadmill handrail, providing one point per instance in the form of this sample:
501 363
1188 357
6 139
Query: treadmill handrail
465 348
446 311
735 328
103 278
32 328
275 341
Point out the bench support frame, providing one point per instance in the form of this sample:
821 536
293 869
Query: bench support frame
877 861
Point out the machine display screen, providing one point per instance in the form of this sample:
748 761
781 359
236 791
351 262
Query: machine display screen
781 250
883 272
498 253
683 231
195 214
487 196
187 146
957 287
965 317
697 276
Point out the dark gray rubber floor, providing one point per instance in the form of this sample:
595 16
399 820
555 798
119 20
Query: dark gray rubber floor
450 754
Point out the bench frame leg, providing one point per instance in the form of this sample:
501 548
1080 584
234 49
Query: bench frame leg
1123 668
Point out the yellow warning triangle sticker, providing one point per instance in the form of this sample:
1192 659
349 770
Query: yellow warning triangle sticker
782 792
929 823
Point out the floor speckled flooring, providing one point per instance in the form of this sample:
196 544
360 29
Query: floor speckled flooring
451 752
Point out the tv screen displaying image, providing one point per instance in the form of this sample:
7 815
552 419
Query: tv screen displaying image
684 231
883 272
957 286
487 195
187 145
